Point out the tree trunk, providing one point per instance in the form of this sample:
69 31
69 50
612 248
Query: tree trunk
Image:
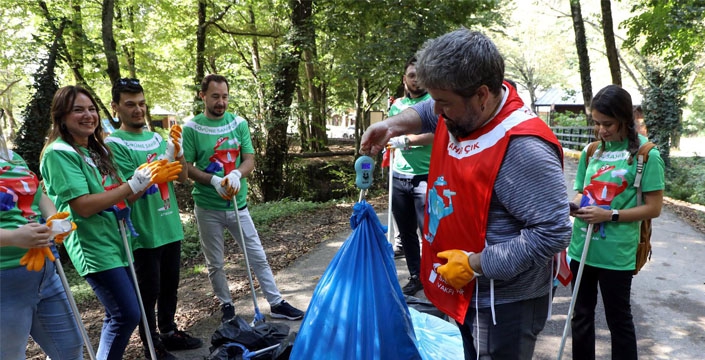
76 68
583 58
200 53
256 67
610 46
284 86
109 41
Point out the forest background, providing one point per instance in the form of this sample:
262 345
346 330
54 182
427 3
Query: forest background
297 67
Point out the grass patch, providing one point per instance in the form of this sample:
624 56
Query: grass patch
266 214
80 289
685 179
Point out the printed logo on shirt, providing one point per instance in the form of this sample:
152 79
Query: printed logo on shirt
612 156
436 207
463 149
147 145
216 130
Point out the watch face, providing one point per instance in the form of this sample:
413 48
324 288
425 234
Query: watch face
615 215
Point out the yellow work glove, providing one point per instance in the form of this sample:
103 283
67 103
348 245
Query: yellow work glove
33 260
457 271
167 172
175 148
59 238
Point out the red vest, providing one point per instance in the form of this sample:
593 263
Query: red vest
460 183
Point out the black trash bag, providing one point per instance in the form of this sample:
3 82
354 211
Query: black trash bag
237 330
284 349
424 306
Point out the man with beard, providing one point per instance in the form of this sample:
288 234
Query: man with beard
219 153
155 216
412 154
497 207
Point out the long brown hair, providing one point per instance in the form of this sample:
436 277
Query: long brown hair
616 102
61 105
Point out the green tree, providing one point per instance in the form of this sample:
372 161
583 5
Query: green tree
37 114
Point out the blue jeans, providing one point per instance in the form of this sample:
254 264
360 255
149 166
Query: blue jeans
514 336
116 291
34 303
408 203
615 287
158 276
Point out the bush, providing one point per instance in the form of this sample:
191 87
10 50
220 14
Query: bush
685 179
568 119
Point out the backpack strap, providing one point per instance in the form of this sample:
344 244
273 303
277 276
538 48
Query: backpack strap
592 147
641 157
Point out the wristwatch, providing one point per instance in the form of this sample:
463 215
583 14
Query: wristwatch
615 215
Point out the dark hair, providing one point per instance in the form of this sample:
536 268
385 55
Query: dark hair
460 61
126 85
61 105
615 102
410 62
213 78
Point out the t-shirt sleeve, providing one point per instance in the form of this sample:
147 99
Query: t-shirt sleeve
63 170
122 159
189 144
243 136
579 182
653 177
429 119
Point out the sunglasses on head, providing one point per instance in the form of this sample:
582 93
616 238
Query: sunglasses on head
128 81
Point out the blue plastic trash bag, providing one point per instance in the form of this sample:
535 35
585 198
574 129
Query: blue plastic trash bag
437 339
358 310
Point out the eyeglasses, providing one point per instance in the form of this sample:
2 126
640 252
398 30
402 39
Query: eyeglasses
128 81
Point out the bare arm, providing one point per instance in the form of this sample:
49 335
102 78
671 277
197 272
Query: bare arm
198 175
46 207
653 201
377 135
420 139
90 204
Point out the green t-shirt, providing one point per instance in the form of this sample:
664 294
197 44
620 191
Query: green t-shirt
96 245
212 145
19 204
609 180
155 216
417 159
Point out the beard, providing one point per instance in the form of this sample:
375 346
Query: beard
464 127
136 124
416 93
216 112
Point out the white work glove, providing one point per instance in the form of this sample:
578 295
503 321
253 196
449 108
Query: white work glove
222 191
399 142
175 144
232 181
141 179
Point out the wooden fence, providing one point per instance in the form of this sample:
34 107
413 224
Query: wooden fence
574 137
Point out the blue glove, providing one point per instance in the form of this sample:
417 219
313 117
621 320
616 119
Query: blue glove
7 201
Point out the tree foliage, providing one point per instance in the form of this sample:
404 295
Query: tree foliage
37 114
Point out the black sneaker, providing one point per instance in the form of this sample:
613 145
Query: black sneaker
398 253
412 286
161 352
180 340
228 311
284 310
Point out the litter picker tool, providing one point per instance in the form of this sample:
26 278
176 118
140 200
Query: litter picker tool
390 221
60 226
130 260
259 318
576 287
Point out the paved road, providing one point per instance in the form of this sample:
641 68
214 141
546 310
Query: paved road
668 295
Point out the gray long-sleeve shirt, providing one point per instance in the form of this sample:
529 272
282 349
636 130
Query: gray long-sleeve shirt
528 219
